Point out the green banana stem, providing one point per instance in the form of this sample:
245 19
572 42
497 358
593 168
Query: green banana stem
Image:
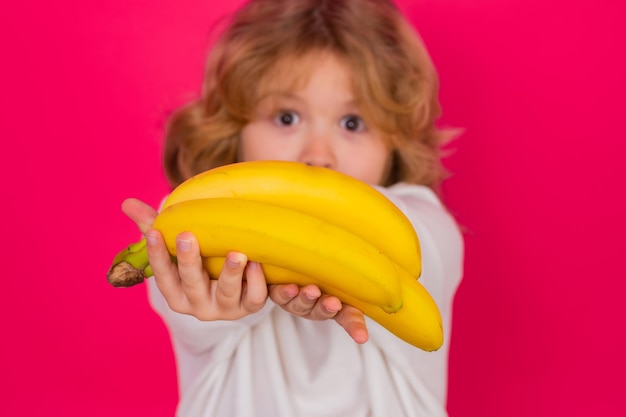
130 266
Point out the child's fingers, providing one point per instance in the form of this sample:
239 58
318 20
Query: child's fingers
255 290
165 271
303 303
229 285
326 308
353 322
194 280
281 294
139 212
306 300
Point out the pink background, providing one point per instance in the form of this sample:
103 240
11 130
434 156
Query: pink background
539 177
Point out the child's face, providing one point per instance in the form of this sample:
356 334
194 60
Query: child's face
317 123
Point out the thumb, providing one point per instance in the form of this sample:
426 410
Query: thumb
139 212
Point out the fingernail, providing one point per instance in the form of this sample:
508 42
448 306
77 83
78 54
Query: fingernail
183 245
233 261
252 265
330 310
151 239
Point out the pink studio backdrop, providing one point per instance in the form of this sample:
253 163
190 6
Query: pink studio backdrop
538 180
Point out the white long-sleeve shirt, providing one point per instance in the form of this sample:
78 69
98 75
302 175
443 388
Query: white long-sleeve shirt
275 364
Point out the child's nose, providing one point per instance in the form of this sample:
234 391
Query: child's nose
318 151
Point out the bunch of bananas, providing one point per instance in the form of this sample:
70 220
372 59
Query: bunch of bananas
304 225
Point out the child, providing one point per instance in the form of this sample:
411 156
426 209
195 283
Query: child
344 84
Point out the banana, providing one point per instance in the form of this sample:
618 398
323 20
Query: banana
320 192
304 225
418 322
283 237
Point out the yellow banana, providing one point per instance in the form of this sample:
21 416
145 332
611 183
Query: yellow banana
305 225
320 192
418 322
274 235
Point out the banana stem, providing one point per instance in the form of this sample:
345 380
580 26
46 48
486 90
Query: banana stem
130 266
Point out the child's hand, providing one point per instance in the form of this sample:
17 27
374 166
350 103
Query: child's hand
187 287
310 303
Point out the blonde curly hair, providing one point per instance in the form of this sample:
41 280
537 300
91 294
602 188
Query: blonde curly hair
393 78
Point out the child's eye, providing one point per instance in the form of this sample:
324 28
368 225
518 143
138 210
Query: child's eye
353 123
287 118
